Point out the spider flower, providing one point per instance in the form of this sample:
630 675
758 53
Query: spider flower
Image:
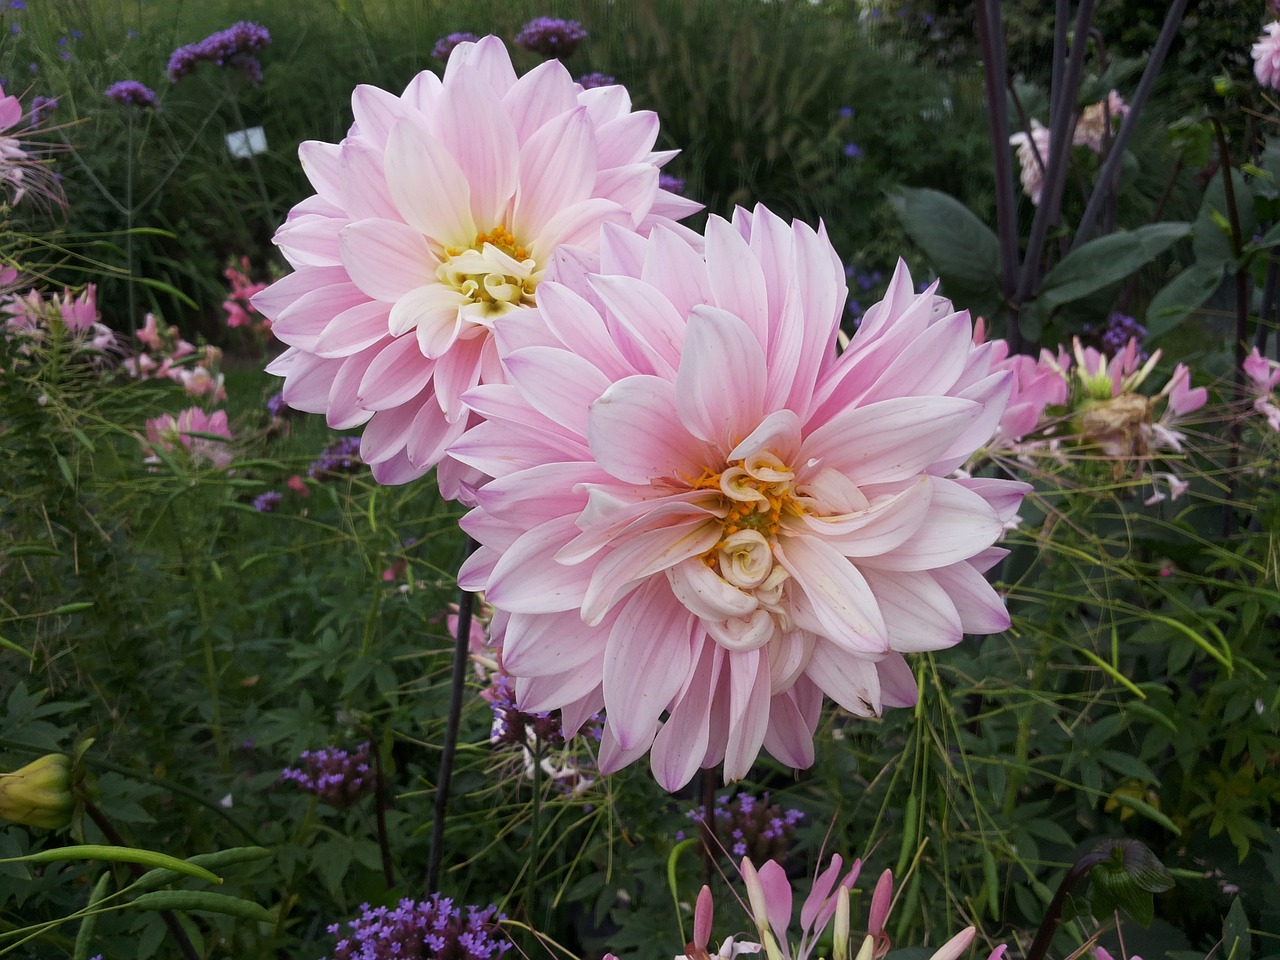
1266 56
441 212
24 164
1264 377
203 438
700 508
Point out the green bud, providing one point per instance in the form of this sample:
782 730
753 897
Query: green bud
39 795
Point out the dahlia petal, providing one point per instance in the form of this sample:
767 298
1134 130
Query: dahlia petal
789 738
365 182
633 432
397 374
488 56
573 715
628 138
749 713
891 440
433 313
613 757
548 644
621 251
386 258
276 298
645 662
344 410
851 681
647 317
931 364
566 145
429 187
606 518
918 614
308 381
430 434
960 523
682 742
528 580
388 432
558 384
472 125
457 371
579 225
979 606
321 163
302 322
574 321
376 111
536 694
674 264
778 433
355 329
898 687
884 525
841 599
707 595
634 188
715 385
423 92
310 241
539 96
522 496
641 557
737 282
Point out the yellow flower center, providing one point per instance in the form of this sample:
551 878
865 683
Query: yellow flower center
756 493
496 273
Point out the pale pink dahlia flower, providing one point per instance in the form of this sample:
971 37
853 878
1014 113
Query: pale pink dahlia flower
442 211
1266 56
700 509
1033 158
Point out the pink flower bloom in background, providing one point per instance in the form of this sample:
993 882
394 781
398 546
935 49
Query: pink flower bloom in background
238 305
35 316
719 517
440 213
1096 121
187 433
1266 57
1033 156
24 165
1264 376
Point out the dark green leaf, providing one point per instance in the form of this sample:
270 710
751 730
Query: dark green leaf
1183 295
1107 260
960 246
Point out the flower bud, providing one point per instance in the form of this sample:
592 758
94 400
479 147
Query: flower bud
39 795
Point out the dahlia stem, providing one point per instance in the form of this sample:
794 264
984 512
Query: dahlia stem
466 603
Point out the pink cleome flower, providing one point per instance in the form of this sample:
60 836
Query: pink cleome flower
204 437
699 508
1266 56
441 212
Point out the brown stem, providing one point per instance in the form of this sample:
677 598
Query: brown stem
380 805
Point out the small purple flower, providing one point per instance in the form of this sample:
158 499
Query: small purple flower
17 5
276 406
444 46
590 81
846 112
551 36
852 151
431 928
131 93
1121 328
752 827
335 776
232 47
267 502
341 456
670 184
41 107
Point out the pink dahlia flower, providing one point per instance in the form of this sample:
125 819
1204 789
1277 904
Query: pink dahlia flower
1266 56
1097 120
700 508
440 213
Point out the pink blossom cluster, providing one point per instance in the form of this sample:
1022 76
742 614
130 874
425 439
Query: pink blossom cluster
169 356
1096 121
199 438
241 313
826 907
34 318
694 511
1264 378
1093 130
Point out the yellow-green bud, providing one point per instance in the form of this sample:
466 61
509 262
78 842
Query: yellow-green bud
39 795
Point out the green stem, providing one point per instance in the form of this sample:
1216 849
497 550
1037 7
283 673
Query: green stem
253 157
128 230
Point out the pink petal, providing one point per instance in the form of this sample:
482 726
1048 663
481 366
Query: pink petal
717 385
789 738
546 644
645 662
399 373
737 282
841 599
567 146
386 258
918 613
641 557
527 580
471 124
558 384
682 742
777 896
540 95
960 524
430 189
635 434
647 317
707 595
851 681
749 713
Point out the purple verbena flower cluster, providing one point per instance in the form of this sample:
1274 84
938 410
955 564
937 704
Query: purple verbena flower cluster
670 184
267 502
752 827
131 93
276 407
232 47
431 929
444 46
511 725
551 36
1121 328
590 81
341 456
41 107
335 776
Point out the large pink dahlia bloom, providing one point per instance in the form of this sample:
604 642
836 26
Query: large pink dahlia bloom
442 211
700 509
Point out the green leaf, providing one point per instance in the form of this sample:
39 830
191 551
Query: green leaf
98 851
1139 806
1237 944
205 901
1107 260
1212 231
960 246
